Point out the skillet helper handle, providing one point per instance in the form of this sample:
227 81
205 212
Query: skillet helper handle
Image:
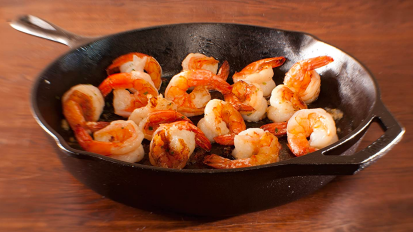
38 27
349 165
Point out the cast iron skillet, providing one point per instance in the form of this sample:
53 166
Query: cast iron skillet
346 85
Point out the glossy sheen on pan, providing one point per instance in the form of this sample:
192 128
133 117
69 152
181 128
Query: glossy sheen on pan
346 85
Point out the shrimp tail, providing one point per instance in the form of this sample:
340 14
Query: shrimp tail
219 162
166 116
223 72
86 142
318 62
227 139
273 62
277 128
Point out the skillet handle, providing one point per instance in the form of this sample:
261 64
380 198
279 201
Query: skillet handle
320 164
38 27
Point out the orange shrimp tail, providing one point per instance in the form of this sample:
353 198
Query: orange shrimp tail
272 62
166 116
87 142
207 78
223 72
277 128
227 139
219 162
318 62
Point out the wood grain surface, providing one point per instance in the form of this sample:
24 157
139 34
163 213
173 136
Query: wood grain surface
38 194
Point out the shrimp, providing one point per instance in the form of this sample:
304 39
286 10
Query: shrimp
173 143
314 123
191 104
253 147
120 140
302 78
130 91
200 61
137 62
248 94
155 103
261 73
83 105
154 119
221 122
284 103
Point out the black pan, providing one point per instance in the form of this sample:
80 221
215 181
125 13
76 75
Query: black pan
346 85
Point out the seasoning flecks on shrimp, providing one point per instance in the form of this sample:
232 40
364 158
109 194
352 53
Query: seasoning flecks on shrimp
284 103
314 123
253 147
261 73
151 123
83 105
246 94
173 143
120 140
221 122
130 91
136 61
304 80
191 104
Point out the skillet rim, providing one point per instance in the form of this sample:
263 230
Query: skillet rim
81 154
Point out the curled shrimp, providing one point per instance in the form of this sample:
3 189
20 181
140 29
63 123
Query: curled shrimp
200 61
83 105
253 147
130 91
302 78
314 123
246 95
155 103
120 140
284 103
261 73
173 143
151 123
191 104
221 122
136 61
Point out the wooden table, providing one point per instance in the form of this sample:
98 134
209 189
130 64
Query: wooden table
38 194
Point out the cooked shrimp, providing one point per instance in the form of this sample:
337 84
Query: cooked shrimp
191 104
302 78
137 62
314 123
154 119
284 103
172 144
221 122
248 94
83 105
130 91
253 147
120 140
155 103
261 73
200 61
